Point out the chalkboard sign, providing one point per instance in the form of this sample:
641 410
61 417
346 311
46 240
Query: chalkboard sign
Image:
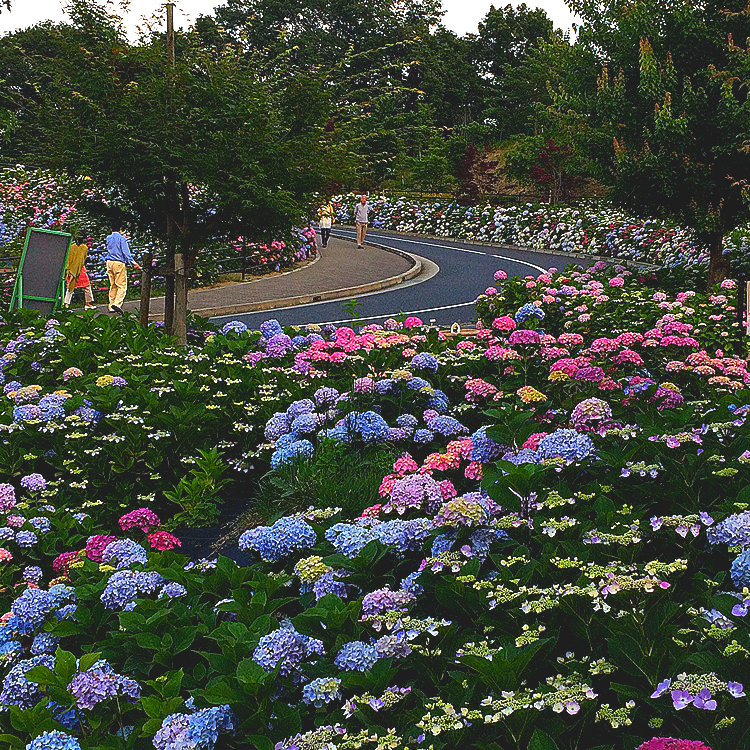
39 281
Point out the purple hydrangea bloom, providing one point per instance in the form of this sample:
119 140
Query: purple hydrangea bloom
33 482
424 361
101 682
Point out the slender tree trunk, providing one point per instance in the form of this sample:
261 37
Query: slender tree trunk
179 326
718 268
169 289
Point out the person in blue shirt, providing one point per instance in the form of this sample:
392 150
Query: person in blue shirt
118 258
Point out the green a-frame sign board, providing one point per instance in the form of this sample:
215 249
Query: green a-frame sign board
41 271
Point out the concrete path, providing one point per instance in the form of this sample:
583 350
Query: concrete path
341 272
463 270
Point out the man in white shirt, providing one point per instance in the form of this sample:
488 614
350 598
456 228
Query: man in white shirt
361 211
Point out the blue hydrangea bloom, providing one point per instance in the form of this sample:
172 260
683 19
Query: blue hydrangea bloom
326 396
447 426
194 731
303 406
321 691
234 326
424 361
407 422
567 444
270 328
277 426
44 643
19 691
369 426
529 310
734 530
423 436
356 655
277 541
741 569
54 740
287 648
286 454
484 449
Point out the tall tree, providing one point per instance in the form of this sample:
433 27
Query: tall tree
670 118
370 50
215 147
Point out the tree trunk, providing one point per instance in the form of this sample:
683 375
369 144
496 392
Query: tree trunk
145 289
169 289
179 326
718 268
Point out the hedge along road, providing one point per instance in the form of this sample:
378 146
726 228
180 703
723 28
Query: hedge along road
456 273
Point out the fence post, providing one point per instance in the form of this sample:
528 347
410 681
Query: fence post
244 257
145 289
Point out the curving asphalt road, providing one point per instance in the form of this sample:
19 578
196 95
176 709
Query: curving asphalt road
454 274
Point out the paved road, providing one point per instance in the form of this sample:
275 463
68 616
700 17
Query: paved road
455 273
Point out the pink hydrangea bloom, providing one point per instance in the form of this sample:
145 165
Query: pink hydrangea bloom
163 540
96 544
141 518
71 372
15 521
5 556
500 275
63 561
617 281
490 290
412 322
504 323
405 464
532 441
672 743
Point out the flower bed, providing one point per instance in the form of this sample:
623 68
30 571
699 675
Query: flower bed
595 229
40 199
555 554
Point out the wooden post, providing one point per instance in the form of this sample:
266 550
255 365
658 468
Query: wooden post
145 289
244 257
179 326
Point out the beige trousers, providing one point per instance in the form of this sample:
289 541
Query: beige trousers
118 282
361 231
88 294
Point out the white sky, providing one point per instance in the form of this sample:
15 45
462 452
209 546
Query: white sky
461 15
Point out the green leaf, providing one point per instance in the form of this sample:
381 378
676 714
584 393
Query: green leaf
540 740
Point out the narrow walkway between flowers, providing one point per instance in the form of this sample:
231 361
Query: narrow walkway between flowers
341 266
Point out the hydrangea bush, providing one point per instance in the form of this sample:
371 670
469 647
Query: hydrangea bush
557 557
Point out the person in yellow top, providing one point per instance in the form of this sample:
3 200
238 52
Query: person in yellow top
326 217
76 276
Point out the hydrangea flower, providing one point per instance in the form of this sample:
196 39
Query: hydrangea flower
194 731
54 740
17 690
567 444
277 541
33 482
734 530
101 682
141 518
287 647
122 553
356 655
320 691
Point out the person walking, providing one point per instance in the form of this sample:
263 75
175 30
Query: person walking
76 276
326 217
361 212
118 257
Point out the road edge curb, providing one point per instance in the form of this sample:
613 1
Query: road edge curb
325 296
